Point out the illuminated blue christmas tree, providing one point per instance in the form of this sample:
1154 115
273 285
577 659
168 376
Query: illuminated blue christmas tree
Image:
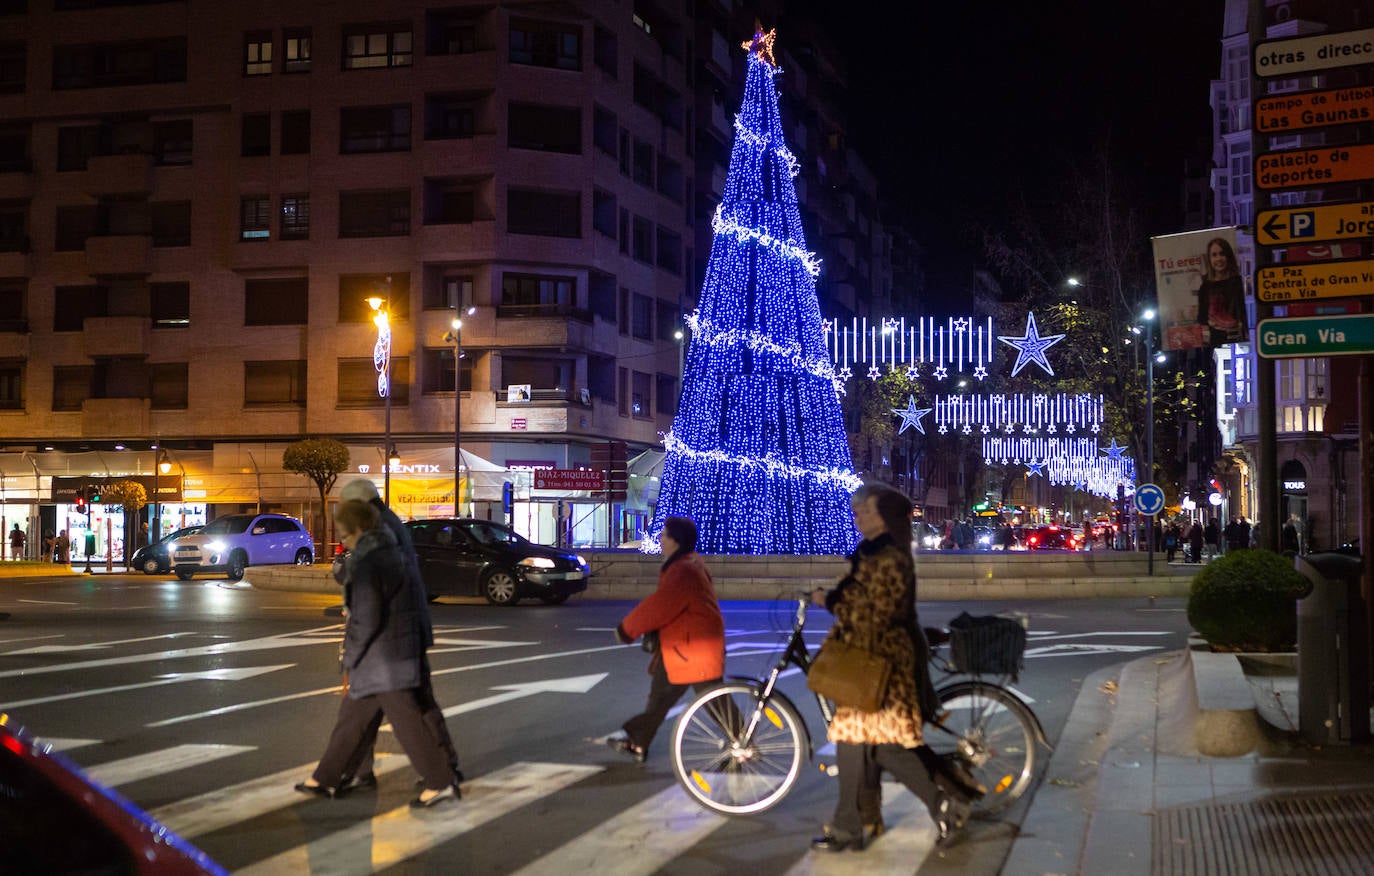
757 455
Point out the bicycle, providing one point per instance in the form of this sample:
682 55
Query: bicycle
738 748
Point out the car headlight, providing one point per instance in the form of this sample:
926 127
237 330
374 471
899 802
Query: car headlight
581 560
214 547
537 563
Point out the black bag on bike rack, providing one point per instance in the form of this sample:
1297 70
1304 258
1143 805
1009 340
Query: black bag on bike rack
987 645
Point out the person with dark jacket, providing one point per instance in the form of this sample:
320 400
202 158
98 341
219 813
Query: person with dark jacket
383 655
1211 535
1195 538
691 635
875 608
364 490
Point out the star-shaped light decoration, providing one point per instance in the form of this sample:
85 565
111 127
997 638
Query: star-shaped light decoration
874 373
845 373
980 372
1050 429
1070 428
941 372
911 416
961 324
1096 428
1009 428
943 430
1036 469
1031 347
968 429
1114 451
761 44
911 372
986 428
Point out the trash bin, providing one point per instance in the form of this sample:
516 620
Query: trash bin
1333 682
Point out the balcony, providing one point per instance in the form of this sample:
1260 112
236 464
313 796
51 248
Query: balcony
457 240
119 255
115 417
16 263
125 174
123 336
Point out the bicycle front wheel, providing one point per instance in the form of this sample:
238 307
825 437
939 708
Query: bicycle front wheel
990 732
723 766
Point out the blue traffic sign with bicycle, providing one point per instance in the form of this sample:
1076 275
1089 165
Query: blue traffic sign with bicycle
1149 499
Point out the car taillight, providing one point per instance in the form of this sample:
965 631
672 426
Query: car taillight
338 550
1034 540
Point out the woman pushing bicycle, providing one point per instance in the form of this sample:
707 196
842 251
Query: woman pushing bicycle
874 608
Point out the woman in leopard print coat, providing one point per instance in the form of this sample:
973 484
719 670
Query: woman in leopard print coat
875 608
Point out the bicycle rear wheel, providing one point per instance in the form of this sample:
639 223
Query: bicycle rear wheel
730 774
991 733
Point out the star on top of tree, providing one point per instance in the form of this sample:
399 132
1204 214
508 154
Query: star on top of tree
762 43
911 415
1031 346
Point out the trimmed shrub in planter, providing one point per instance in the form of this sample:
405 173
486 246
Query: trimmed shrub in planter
1246 601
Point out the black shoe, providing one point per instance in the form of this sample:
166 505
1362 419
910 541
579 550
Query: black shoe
951 814
356 783
828 842
458 779
450 792
317 790
956 773
626 747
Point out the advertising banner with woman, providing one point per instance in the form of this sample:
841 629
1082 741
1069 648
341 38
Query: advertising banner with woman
1201 289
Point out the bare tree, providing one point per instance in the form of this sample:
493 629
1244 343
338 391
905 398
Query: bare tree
321 460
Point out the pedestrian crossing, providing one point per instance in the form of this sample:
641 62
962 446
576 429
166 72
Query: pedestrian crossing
644 838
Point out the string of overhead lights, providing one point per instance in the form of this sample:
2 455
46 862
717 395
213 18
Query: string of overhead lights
1009 413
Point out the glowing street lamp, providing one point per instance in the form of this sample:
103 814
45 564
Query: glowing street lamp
381 360
455 337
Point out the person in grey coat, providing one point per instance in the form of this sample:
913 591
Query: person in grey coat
383 654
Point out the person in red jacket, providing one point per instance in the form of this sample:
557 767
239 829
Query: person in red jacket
691 634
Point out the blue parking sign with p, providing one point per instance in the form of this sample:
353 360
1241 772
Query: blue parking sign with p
1149 499
1302 225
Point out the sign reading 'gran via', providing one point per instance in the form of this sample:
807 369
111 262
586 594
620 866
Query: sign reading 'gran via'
1316 336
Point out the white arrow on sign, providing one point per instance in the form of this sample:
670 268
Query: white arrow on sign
93 646
572 684
172 678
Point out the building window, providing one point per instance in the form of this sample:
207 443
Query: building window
546 128
170 304
643 172
295 50
605 52
74 225
668 245
449 33
601 377
13 313
274 382
546 44
255 217
604 212
639 395
374 214
14 226
374 129
552 214
643 240
172 142
624 231
449 202
604 128
355 289
75 304
77 144
170 223
72 385
539 373
379 46
295 217
169 386
538 293
139 62
448 290
669 321
642 317
256 135
13 68
670 179
295 132
624 152
601 294
257 54
437 371
283 301
623 322
665 392
622 395
11 386
358 383
14 148
449 116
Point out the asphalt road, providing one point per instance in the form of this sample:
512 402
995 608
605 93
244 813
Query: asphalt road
203 702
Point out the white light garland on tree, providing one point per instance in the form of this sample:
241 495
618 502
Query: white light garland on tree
771 465
704 331
743 133
721 224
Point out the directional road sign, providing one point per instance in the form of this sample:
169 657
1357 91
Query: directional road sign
1304 280
1296 168
1313 223
1149 499
1316 336
1314 109
1292 57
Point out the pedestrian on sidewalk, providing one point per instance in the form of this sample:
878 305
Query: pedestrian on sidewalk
686 617
383 652
1237 535
63 548
17 539
49 547
1195 538
1211 535
1171 537
875 606
1288 538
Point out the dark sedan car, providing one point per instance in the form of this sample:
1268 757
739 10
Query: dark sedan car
1051 538
153 559
468 557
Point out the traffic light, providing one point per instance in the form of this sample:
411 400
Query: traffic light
93 495
81 499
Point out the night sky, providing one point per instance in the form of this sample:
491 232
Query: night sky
960 106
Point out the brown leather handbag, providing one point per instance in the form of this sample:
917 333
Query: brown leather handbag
849 676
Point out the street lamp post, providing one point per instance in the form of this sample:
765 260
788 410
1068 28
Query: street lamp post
161 465
1154 355
381 360
455 337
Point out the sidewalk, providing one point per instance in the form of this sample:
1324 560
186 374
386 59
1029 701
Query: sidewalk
1128 792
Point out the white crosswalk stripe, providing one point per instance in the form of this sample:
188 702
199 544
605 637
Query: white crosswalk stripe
393 837
909 838
640 840
157 763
